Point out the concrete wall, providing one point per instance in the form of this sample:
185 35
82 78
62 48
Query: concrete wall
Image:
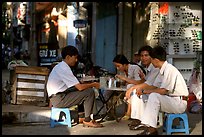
132 29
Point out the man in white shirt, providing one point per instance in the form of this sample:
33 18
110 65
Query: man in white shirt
169 97
65 90
151 74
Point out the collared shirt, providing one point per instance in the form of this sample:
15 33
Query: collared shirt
60 78
133 72
151 75
172 80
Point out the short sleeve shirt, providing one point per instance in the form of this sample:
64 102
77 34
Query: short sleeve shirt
60 78
151 75
133 72
172 80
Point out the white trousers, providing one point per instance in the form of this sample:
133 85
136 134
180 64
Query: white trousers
147 111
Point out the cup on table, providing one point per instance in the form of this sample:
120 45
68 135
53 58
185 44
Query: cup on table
117 83
103 82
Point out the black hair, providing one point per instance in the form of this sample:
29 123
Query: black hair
121 59
145 48
69 50
158 52
18 55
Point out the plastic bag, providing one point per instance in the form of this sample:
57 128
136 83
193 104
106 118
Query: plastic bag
195 84
195 107
194 81
197 90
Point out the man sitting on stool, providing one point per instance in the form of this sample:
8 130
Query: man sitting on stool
168 97
65 90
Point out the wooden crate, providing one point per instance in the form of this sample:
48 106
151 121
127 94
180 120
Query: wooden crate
30 85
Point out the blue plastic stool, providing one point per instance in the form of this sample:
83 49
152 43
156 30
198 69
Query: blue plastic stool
55 112
183 121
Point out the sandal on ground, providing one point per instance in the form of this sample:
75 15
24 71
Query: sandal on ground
92 124
138 127
134 122
126 117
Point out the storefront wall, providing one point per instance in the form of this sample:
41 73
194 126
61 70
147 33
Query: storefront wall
106 26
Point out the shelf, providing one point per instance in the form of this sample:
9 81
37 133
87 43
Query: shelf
182 23
181 56
180 38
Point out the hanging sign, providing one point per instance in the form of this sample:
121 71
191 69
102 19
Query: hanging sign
80 23
46 55
21 14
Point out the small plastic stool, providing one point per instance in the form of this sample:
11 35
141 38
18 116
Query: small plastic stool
183 121
55 113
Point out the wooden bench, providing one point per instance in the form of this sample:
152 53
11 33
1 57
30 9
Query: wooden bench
30 85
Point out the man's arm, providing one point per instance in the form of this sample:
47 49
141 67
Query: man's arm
129 80
161 91
81 87
136 87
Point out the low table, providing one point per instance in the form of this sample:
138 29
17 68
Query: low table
118 92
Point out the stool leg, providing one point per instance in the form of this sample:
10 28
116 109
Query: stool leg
52 121
68 118
169 122
52 124
183 120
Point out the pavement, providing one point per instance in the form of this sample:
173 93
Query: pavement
35 120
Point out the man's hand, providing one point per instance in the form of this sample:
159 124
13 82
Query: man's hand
128 92
141 74
139 92
121 77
